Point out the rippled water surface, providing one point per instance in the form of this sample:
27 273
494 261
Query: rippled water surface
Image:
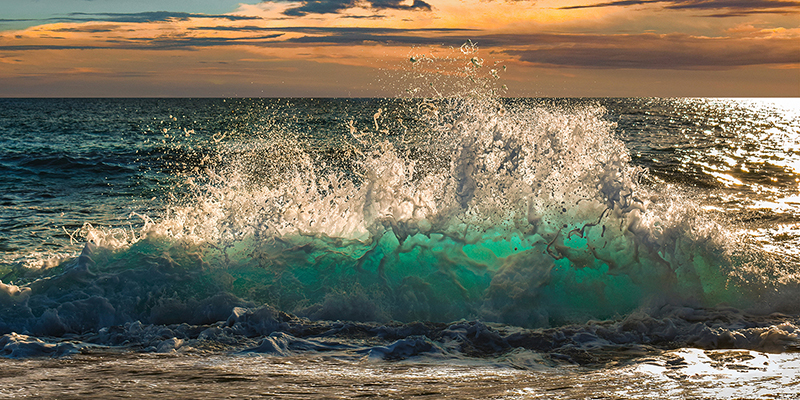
685 374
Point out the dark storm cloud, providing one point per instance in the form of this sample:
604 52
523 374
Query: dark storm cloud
150 16
727 8
337 6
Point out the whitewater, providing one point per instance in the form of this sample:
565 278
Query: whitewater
454 244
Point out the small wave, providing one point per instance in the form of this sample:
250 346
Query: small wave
68 164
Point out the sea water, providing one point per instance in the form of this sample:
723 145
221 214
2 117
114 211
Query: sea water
467 246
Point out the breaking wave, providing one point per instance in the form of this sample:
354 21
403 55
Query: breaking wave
450 209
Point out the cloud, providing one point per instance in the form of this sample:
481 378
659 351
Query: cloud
330 29
189 42
149 16
375 16
157 43
646 51
358 38
651 51
337 6
88 29
29 47
593 51
357 35
728 8
250 36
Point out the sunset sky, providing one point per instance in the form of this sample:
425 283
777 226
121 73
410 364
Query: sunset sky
361 48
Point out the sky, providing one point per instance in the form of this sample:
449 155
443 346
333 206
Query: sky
369 48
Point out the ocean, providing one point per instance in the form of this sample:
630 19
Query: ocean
465 246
